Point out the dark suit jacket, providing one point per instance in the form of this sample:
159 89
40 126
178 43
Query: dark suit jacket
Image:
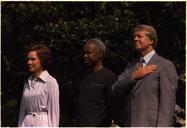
150 101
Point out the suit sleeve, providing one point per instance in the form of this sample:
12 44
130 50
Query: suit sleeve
123 84
167 94
111 80
53 104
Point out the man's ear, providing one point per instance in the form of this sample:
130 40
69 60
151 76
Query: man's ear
100 55
152 42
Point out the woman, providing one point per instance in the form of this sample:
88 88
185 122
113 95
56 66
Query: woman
40 100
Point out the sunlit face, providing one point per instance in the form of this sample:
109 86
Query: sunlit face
33 62
142 41
91 55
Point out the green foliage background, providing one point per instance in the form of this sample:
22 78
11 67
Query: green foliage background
64 27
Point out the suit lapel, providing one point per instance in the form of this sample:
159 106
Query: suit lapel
154 59
140 81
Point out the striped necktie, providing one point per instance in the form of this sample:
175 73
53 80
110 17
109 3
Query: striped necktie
140 62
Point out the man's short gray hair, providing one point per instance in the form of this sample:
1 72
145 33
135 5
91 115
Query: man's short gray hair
151 32
101 46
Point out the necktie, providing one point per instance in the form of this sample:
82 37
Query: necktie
140 63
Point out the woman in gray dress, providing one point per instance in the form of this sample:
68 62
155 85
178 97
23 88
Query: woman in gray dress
40 100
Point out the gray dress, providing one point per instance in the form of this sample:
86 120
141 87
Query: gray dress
40 102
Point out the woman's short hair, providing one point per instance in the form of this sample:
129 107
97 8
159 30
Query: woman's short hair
151 32
44 54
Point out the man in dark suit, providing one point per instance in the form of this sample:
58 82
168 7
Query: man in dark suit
149 84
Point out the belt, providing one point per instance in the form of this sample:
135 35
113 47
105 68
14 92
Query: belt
36 113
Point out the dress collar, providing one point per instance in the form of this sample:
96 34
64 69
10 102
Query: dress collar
42 76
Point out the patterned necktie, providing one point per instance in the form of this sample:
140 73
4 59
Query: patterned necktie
140 63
